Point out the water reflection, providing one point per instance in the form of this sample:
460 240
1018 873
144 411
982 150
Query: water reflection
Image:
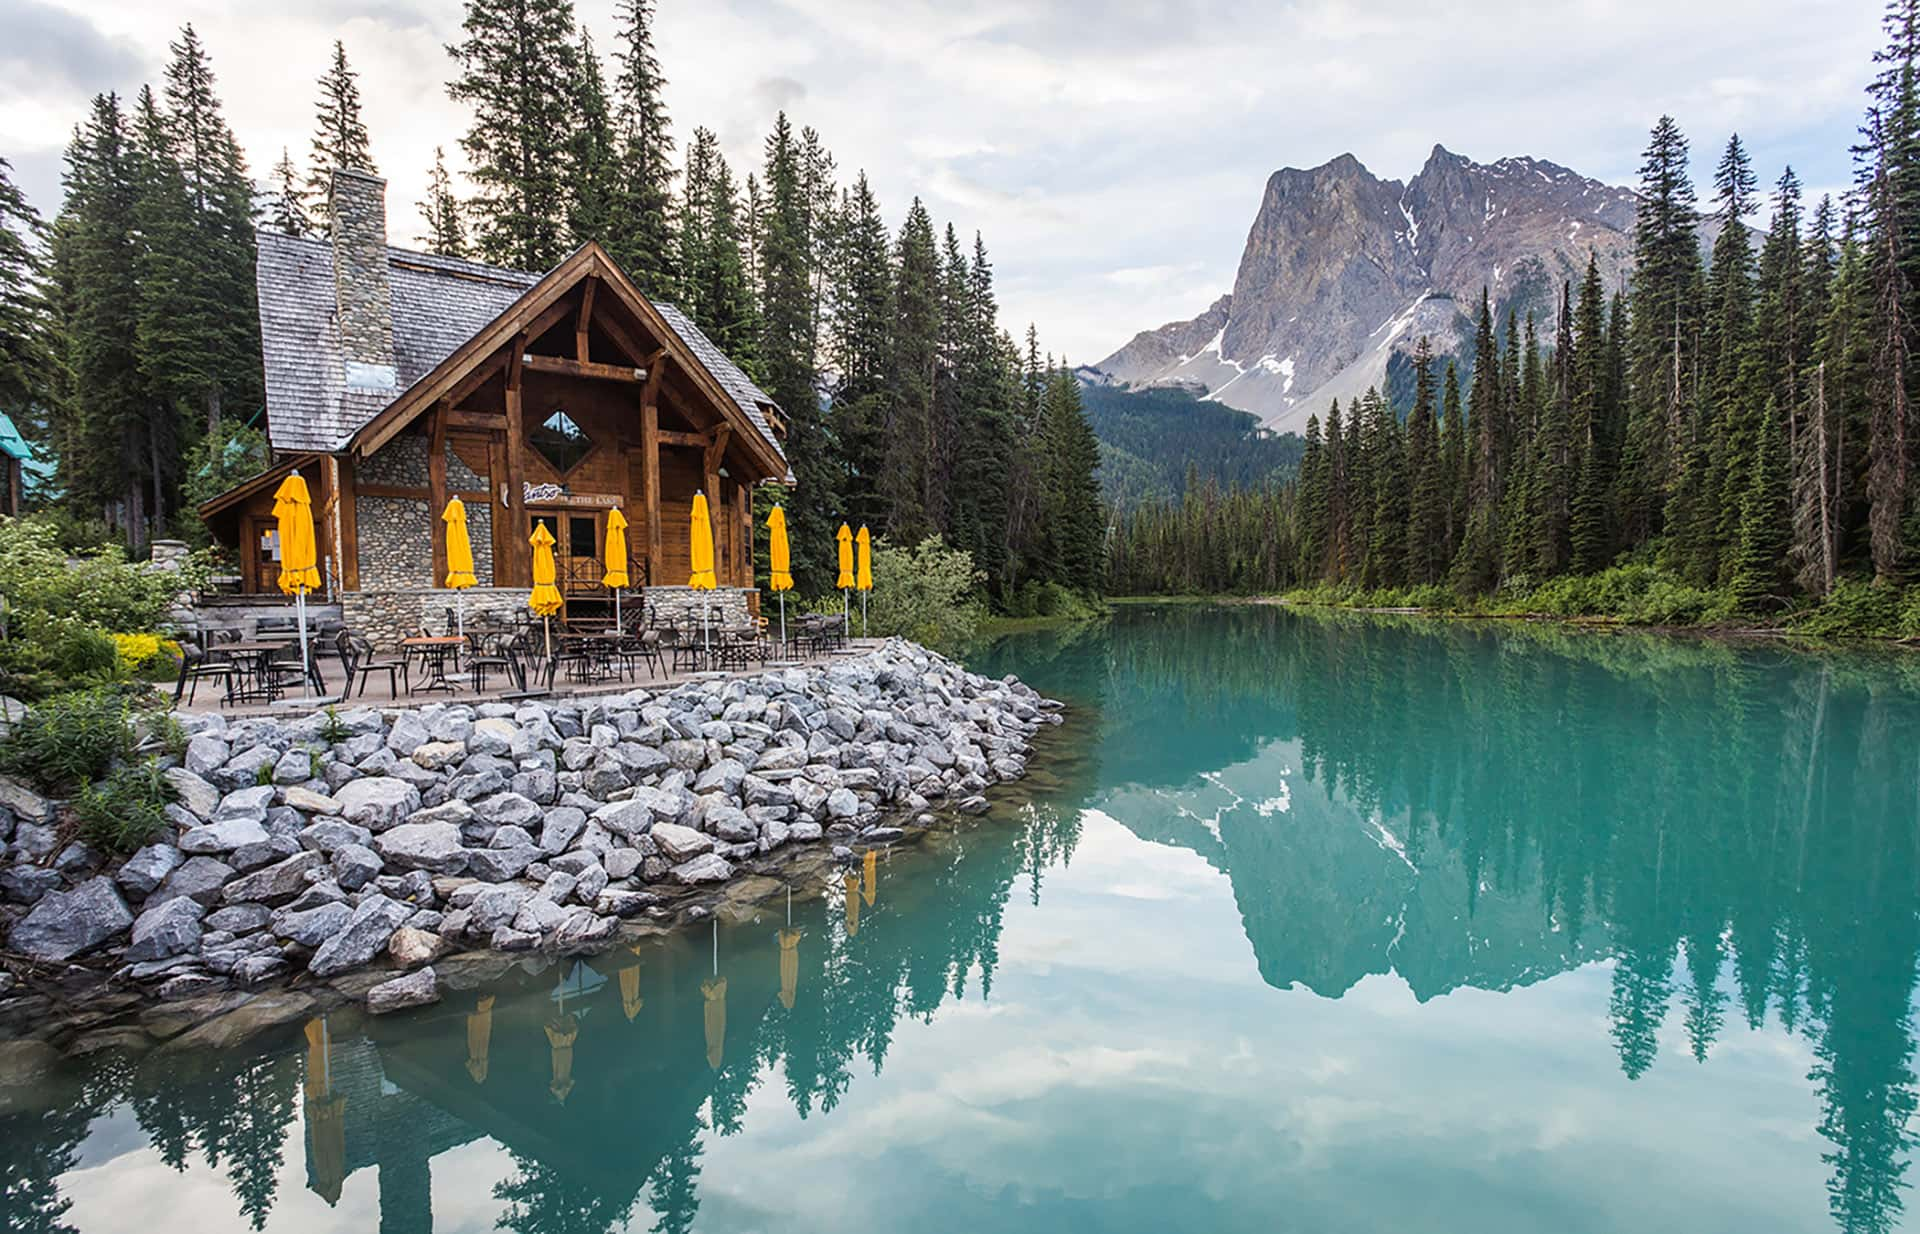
1731 830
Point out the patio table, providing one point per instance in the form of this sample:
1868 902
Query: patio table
434 648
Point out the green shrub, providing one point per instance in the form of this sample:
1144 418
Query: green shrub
1037 599
1857 608
101 588
126 809
48 655
929 593
69 739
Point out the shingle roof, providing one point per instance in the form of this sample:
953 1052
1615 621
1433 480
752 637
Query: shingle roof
438 304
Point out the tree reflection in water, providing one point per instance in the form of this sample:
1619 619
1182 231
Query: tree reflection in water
1732 828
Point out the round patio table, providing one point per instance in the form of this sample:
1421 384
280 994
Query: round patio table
434 648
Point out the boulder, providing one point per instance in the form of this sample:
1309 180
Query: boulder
308 801
706 868
507 810
275 884
26 884
223 835
205 755
236 919
435 847
498 865
438 755
363 937
65 924
168 929
326 835
147 869
413 990
293 767
411 947
23 803
378 802
200 878
561 828
314 926
354 866
407 735
677 843
198 796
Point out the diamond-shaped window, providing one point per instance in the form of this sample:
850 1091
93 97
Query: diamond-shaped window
561 442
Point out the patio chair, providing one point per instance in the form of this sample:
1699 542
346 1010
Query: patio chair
489 656
198 665
358 658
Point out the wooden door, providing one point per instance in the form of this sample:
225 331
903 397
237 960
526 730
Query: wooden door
263 555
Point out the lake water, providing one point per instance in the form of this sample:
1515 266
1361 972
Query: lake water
1304 922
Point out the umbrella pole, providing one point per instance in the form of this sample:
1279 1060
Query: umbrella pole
306 665
783 623
460 612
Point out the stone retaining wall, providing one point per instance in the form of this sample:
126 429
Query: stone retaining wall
385 617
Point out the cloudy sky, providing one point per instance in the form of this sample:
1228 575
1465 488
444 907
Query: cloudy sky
1112 153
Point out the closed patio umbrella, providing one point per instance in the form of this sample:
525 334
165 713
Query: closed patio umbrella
870 876
779 564
616 576
700 555
479 1038
845 582
459 558
325 1117
630 1000
562 1031
850 886
789 940
863 581
299 558
714 991
545 599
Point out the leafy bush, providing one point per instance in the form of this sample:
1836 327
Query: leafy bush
1860 609
147 655
102 588
49 655
1037 599
69 739
929 593
126 809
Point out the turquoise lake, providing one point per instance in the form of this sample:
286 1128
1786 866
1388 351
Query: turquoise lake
1303 922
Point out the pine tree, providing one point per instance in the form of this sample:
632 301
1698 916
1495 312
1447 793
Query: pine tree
1075 519
25 331
708 254
1312 504
517 70
905 483
175 325
446 228
1454 464
1477 567
1765 524
596 205
1592 440
1731 400
287 204
339 134
1426 470
643 244
861 351
1387 470
786 351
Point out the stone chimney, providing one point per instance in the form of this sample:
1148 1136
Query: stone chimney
363 298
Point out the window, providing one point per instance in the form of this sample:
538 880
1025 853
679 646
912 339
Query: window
561 442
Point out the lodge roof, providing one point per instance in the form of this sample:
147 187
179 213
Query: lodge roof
438 304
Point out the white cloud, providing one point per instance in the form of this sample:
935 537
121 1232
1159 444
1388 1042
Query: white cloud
1082 139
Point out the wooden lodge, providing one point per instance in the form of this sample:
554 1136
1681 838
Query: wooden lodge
396 380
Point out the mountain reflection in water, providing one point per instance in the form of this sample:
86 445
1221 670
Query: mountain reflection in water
1721 837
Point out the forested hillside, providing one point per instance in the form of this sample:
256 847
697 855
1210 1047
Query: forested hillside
1155 442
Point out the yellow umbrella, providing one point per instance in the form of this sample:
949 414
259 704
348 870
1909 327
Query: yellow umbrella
545 599
616 575
299 555
479 1038
850 886
845 539
630 1000
779 564
714 990
459 556
700 555
561 1033
789 966
863 581
325 1116
872 877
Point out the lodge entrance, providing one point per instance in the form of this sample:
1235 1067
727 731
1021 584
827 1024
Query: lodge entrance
578 538
263 563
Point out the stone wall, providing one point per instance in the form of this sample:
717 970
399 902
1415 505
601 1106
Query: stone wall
724 606
362 292
402 461
480 534
396 542
387 616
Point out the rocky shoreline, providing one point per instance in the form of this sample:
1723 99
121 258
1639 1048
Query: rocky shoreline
354 848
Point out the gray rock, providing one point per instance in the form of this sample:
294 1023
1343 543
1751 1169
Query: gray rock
293 767
539 786
326 835
378 803
803 832
200 878
439 755
65 924
364 937
511 837
640 761
147 869
223 835
434 847
497 907
723 776
276 884
23 803
411 946
685 755
561 828
407 735
205 755
618 902
194 793
731 824
538 915
623 863
168 929
260 967
589 884
507 810
706 868
308 800
266 852
417 989
498 865
975 804
842 804
677 843
313 926
582 929
239 918
354 866
26 884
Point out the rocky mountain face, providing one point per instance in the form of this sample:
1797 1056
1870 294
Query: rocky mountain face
1343 272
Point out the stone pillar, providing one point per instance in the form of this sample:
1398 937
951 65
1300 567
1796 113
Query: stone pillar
363 296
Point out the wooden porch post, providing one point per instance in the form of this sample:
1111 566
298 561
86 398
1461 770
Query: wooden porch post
347 523
437 490
716 498
650 468
520 574
743 533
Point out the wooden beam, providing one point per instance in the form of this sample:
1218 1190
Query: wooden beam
627 343
743 530
696 441
349 547
477 378
497 512
584 368
487 421
650 480
716 449
437 490
519 572
585 319
716 498
547 320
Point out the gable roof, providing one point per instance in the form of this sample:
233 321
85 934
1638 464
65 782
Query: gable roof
439 304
